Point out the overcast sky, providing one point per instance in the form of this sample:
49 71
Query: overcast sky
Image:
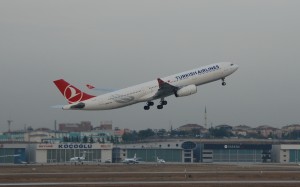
116 44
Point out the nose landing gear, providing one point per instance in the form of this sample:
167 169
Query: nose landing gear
223 82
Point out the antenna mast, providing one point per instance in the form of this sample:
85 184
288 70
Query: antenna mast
205 117
9 123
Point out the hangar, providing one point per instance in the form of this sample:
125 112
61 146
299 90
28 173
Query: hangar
173 151
148 152
13 153
253 153
193 152
63 152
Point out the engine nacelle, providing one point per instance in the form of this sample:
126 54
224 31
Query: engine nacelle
186 91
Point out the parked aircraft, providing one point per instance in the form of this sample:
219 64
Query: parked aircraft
133 160
161 161
15 155
18 161
180 85
78 159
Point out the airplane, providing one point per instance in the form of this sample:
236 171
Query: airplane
161 161
15 155
133 160
19 161
180 85
78 159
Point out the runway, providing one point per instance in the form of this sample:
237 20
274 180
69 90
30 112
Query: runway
126 183
162 172
166 175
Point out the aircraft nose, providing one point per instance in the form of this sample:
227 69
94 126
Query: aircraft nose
235 67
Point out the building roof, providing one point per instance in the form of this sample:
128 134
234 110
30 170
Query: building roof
241 127
263 127
188 127
224 126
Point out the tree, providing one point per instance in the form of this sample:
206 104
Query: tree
161 132
130 137
143 134
220 132
65 139
196 132
91 139
112 140
85 139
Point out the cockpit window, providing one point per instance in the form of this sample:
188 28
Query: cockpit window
231 64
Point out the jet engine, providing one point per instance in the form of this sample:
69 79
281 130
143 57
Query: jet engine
186 91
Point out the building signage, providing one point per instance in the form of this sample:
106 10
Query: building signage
74 146
238 146
231 146
45 146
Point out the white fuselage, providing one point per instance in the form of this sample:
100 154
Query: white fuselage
77 159
147 91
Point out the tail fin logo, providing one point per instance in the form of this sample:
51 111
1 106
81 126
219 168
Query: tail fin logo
72 94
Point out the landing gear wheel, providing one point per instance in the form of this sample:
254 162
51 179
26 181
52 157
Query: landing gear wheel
164 102
150 103
223 82
160 106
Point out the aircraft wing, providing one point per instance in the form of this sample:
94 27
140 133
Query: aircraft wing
165 89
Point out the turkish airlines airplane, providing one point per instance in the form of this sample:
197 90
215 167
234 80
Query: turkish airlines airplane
180 85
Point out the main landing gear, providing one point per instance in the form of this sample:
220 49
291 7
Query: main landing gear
149 103
160 106
223 82
162 103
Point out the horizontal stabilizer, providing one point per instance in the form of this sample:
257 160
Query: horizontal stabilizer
58 106
91 87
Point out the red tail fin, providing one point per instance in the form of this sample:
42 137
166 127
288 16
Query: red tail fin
70 92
